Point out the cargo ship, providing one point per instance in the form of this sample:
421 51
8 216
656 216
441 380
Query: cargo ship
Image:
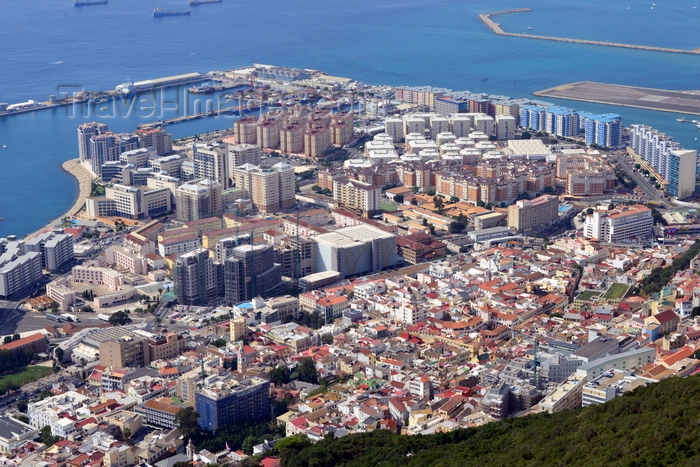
158 13
203 2
89 2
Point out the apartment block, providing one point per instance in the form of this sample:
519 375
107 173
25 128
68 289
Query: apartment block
20 270
156 139
358 197
527 215
227 402
196 278
56 249
198 200
271 189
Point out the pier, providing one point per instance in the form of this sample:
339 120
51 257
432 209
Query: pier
496 28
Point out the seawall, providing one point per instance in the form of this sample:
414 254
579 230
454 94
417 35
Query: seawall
496 28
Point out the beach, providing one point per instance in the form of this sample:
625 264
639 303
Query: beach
84 179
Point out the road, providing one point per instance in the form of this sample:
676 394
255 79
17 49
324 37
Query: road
642 182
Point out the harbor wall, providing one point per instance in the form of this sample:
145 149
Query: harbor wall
496 28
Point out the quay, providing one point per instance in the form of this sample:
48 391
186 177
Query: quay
496 28
681 102
187 118
85 96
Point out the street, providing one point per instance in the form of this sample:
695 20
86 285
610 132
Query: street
642 182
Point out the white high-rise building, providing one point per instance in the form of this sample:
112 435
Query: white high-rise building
619 224
677 166
211 161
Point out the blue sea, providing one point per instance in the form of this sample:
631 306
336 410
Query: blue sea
50 47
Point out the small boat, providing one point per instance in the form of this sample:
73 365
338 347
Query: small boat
60 62
4 146
530 28
681 119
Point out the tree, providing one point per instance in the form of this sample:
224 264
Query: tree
327 191
248 444
438 202
431 229
548 190
58 353
7 340
187 420
316 188
414 201
86 309
526 135
611 206
120 318
455 227
454 199
127 433
589 211
306 371
398 199
15 337
219 342
327 339
22 406
46 437
54 307
280 375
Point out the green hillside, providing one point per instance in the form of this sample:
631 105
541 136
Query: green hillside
655 425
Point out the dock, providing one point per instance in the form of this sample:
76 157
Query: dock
496 28
680 102
188 118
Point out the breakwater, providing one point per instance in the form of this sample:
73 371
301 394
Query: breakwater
496 28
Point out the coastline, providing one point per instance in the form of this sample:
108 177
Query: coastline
84 179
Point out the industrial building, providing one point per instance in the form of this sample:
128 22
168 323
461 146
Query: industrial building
352 251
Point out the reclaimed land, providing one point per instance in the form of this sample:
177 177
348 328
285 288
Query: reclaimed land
684 102
653 425
495 27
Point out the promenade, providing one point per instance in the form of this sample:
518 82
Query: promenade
495 27
84 179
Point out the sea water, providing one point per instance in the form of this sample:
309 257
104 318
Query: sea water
50 47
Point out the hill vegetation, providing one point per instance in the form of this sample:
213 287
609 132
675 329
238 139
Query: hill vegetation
655 425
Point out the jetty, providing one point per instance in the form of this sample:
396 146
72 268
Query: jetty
496 28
